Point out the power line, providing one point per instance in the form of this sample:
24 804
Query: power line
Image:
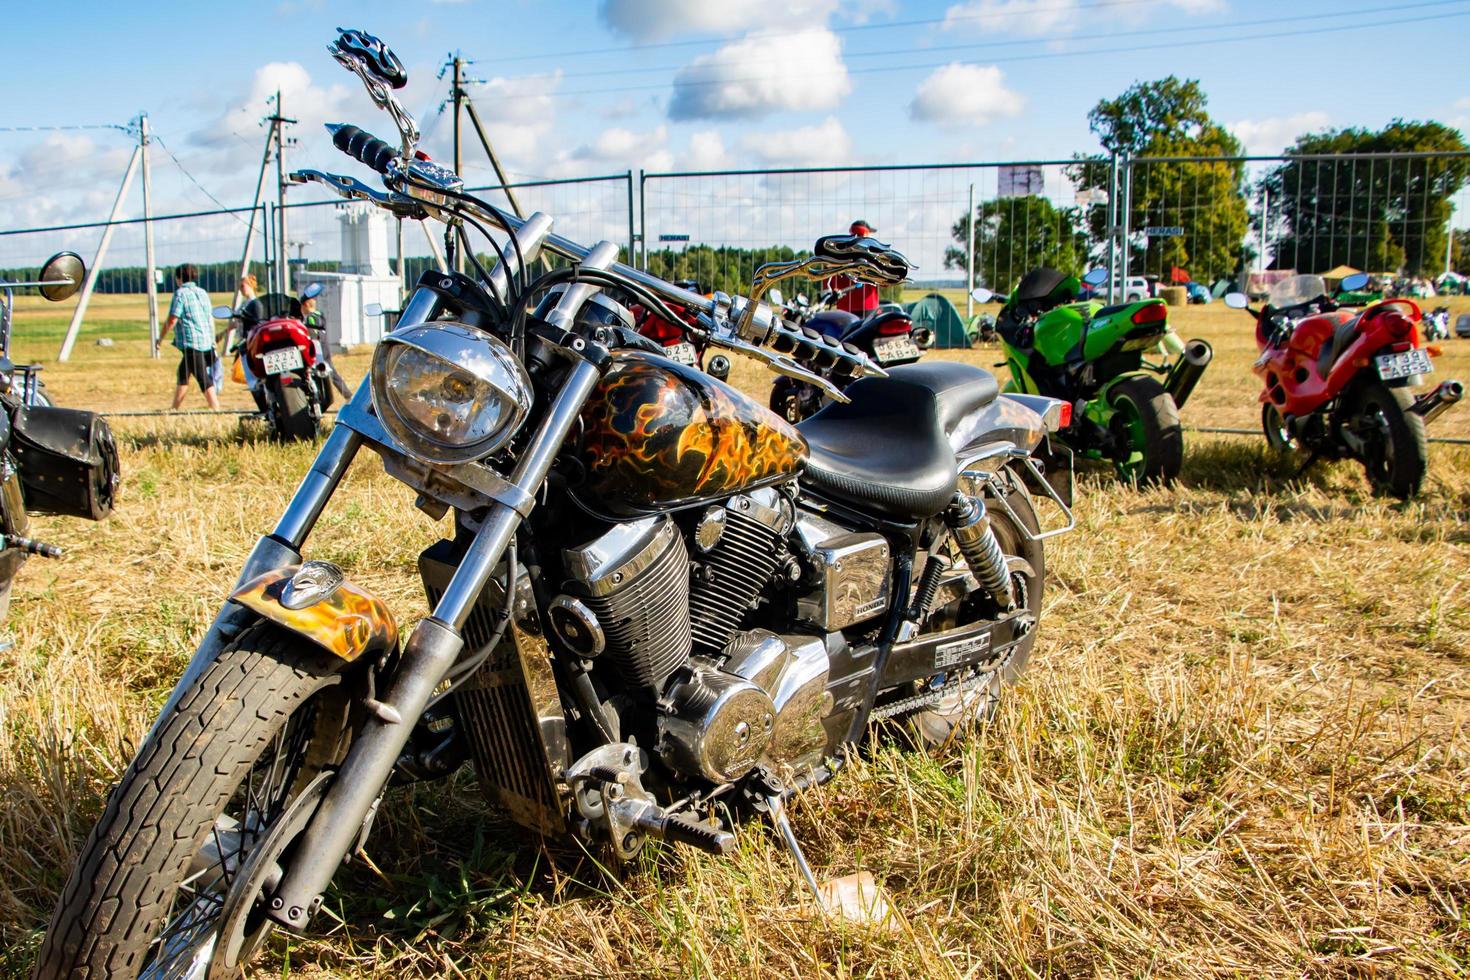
1147 32
64 129
848 29
185 171
918 66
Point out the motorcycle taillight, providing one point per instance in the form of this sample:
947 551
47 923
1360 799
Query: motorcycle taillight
1150 313
894 327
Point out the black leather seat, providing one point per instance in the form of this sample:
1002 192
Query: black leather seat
887 451
1342 339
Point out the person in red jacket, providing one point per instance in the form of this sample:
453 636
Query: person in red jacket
864 299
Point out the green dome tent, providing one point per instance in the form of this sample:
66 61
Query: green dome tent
938 315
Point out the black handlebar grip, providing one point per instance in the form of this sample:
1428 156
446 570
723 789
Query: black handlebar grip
364 147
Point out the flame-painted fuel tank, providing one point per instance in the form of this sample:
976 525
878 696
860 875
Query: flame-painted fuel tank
658 436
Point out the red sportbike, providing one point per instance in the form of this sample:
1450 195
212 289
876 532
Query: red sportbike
678 342
1337 381
284 366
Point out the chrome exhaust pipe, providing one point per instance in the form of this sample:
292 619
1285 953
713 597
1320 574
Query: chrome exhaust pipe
1187 370
1432 405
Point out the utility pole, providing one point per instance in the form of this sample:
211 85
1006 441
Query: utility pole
143 140
456 92
90 282
279 122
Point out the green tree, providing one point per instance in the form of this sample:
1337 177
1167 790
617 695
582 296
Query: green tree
1014 235
1372 213
1206 198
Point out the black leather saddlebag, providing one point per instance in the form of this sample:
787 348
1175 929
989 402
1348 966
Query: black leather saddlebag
68 461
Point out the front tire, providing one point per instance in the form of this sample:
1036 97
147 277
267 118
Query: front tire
258 721
1395 453
1145 426
1278 437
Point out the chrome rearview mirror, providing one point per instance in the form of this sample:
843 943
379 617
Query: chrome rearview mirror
981 295
1354 282
373 309
381 71
62 276
222 312
1096 277
1237 301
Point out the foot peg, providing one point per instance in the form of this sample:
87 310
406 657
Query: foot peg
608 788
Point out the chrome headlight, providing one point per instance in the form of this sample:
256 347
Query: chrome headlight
448 393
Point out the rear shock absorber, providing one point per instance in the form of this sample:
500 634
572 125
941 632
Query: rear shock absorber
970 526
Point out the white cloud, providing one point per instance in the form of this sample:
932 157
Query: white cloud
806 146
1262 136
965 95
654 20
310 104
707 151
1039 17
799 71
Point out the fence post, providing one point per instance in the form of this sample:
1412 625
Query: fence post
632 232
1112 234
152 274
1125 222
91 281
970 257
643 216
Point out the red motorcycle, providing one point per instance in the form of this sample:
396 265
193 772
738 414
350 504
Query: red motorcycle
283 362
675 339
1337 381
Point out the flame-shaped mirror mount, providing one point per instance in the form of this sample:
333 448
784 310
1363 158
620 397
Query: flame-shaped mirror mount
381 72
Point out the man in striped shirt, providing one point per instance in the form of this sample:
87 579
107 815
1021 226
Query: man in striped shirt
191 319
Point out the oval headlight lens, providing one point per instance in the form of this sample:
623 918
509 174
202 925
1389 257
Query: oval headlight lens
449 393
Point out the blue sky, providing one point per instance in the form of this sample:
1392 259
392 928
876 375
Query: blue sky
601 86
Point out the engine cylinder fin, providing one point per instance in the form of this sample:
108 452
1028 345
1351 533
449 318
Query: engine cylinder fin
737 568
645 619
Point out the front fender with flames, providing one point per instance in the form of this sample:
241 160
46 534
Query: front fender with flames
341 618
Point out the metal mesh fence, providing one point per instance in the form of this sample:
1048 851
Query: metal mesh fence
1254 219
716 227
1238 220
587 209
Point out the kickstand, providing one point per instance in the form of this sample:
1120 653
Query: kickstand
777 811
1311 458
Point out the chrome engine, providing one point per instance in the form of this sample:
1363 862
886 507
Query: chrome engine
634 579
671 619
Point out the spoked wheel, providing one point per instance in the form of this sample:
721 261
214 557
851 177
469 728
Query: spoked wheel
169 884
976 695
1146 430
1394 451
1278 437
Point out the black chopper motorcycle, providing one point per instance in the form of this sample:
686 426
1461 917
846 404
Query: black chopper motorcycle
52 460
662 607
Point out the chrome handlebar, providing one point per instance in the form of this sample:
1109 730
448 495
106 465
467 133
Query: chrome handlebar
419 189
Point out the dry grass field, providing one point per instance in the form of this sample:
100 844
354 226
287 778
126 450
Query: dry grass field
1242 746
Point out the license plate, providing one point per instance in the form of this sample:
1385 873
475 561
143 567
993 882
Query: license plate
1404 365
281 361
889 349
683 352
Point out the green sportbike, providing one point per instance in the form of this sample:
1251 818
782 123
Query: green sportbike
1121 368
